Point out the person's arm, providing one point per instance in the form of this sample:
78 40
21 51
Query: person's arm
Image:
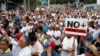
11 40
49 51
56 37
70 50
38 51
94 50
98 52
5 34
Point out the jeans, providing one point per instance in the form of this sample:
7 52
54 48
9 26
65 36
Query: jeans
54 53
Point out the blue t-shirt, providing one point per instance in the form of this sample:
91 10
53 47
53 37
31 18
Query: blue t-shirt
45 27
54 53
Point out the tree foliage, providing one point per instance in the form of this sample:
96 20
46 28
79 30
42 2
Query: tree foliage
71 1
17 1
38 2
90 1
60 1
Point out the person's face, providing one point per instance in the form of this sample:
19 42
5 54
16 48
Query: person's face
39 31
30 22
69 35
24 23
10 19
32 43
14 25
99 38
3 45
95 25
48 36
51 28
21 42
40 24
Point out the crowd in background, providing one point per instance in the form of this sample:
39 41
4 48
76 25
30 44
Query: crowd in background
40 33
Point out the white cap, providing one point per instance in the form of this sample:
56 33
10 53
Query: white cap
53 14
37 9
42 9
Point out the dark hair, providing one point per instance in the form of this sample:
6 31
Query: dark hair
5 41
32 37
40 28
87 30
15 23
92 24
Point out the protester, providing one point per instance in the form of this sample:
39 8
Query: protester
57 37
42 20
5 50
91 49
24 44
14 42
49 46
97 44
36 46
69 46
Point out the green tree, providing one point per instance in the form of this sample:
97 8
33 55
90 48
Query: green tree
60 1
38 2
17 1
90 1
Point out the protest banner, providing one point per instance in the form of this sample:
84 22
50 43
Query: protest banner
76 26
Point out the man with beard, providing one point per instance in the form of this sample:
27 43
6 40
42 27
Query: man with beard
69 46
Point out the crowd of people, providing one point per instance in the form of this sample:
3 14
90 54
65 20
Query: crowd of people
40 32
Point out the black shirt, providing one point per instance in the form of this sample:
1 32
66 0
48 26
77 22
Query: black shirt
97 44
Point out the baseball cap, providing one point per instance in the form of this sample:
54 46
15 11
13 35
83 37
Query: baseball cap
57 26
18 35
89 37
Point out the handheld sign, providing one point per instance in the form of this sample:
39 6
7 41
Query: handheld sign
76 26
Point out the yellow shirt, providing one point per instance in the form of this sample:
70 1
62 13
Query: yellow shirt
8 50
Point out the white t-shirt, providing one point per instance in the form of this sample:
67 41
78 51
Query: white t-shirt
37 47
11 24
91 30
96 34
25 51
57 33
51 32
15 47
67 43
30 27
24 29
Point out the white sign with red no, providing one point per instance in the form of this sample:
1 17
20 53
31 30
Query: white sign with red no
76 26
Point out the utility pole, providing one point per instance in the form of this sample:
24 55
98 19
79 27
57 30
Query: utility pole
48 2
77 3
28 3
